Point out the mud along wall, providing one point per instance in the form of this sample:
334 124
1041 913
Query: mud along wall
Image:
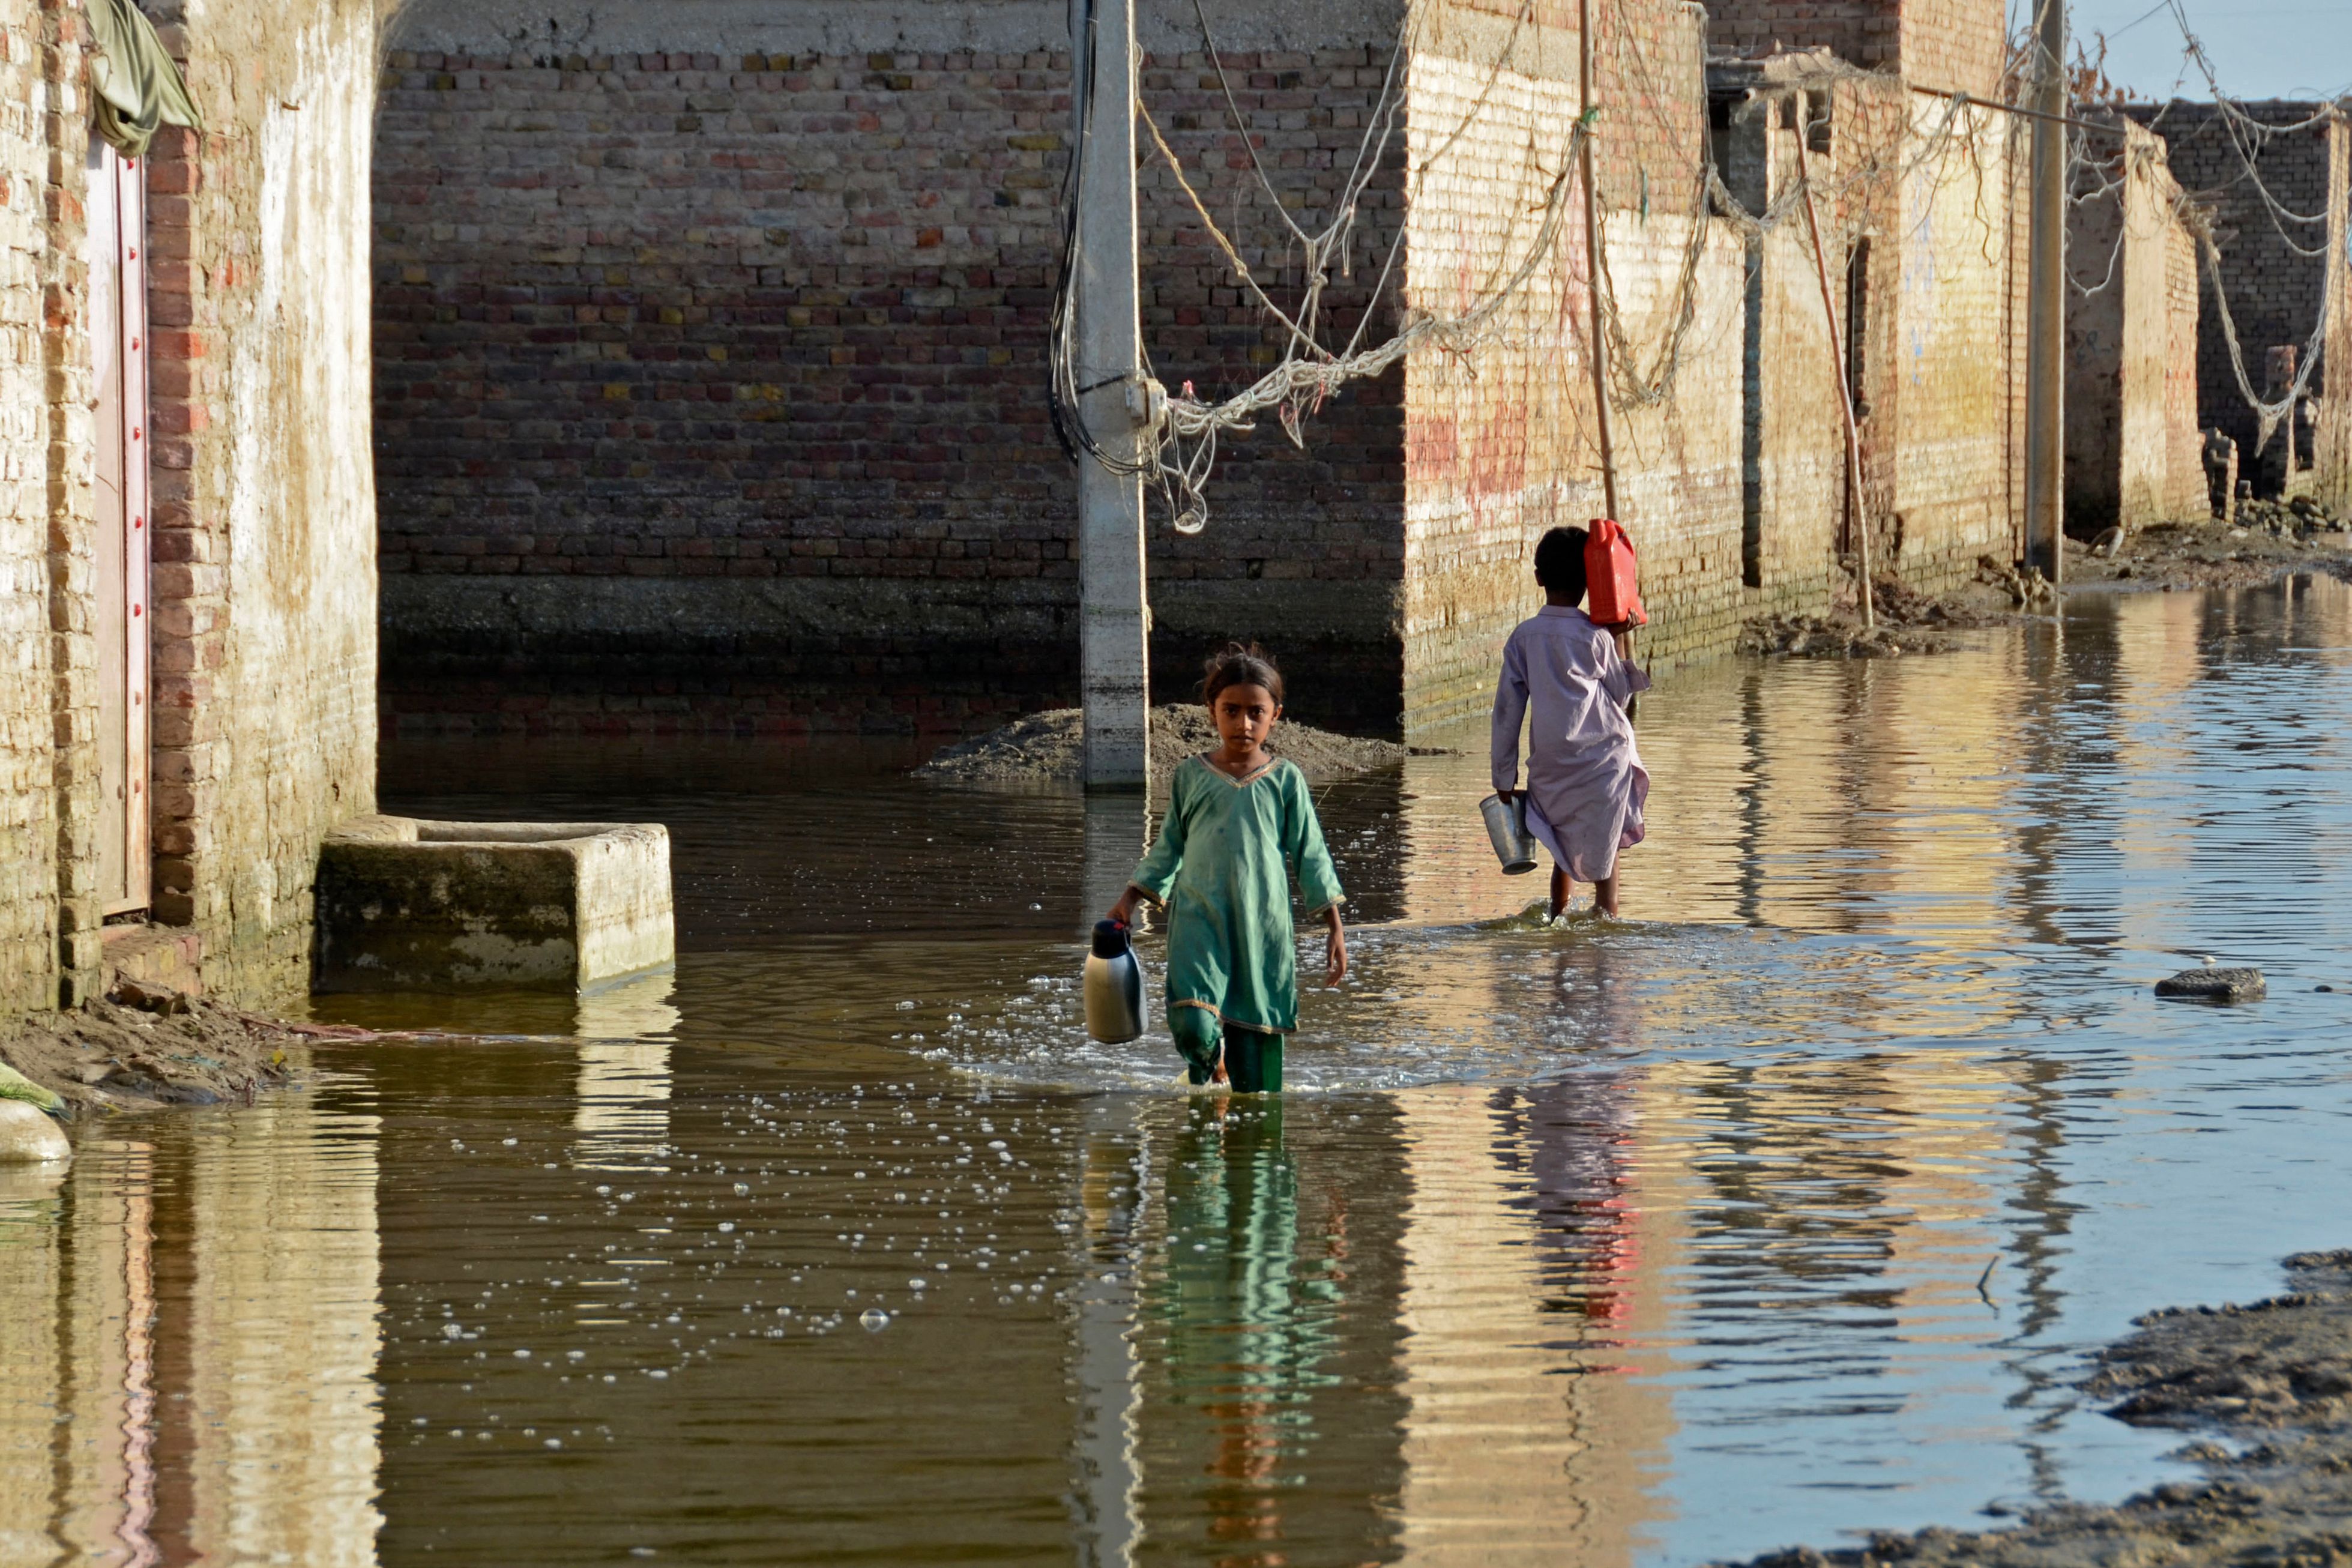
711 363
264 497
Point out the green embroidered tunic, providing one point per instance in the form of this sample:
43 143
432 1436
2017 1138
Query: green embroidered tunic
1222 867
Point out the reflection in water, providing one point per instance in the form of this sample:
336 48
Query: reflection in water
1114 1168
1530 1440
624 1087
1246 1324
202 1302
1630 1244
1114 833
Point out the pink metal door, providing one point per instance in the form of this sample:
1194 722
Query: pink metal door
118 324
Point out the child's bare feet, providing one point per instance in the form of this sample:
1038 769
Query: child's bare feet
1217 1070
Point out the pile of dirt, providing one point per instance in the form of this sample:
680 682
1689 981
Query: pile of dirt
2276 1378
1046 749
1907 621
111 1057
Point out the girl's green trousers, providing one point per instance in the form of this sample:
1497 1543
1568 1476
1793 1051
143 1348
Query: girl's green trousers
1253 1058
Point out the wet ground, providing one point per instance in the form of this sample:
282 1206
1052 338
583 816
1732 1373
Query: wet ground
1790 1208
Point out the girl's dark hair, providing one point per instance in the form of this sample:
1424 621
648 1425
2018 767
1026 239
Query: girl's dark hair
1560 562
1241 664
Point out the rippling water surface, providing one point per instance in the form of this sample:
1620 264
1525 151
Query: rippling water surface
1786 1208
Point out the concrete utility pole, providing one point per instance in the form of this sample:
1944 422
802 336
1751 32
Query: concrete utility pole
2045 353
1114 665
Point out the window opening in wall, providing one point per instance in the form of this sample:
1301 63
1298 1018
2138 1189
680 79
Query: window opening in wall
1857 325
1817 120
118 330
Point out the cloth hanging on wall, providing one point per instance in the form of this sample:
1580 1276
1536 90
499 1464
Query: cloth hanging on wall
138 86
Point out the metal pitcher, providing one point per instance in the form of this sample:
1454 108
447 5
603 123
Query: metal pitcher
1507 825
1113 986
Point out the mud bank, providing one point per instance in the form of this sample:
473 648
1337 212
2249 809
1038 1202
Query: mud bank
107 1057
2273 1379
2181 555
2165 557
1043 749
1906 621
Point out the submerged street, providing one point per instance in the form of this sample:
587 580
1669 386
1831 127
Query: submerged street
1784 1209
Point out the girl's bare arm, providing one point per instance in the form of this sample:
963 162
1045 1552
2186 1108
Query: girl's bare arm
1336 949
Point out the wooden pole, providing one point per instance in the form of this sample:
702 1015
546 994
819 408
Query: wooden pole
1845 385
1603 418
1603 421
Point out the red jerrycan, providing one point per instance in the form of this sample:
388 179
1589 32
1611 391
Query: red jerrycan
1611 577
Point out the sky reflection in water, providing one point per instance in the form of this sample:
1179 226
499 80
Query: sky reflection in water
1643 1244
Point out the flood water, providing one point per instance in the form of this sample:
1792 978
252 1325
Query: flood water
1787 1208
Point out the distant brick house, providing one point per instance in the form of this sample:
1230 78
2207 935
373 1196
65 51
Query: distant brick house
2272 190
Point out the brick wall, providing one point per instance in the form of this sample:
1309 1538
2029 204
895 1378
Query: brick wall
1956 359
261 604
2132 443
69 469
1735 486
1867 33
43 751
1501 443
1956 45
263 492
2332 444
2275 295
710 384
2190 495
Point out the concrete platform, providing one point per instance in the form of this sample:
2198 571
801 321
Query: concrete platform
409 905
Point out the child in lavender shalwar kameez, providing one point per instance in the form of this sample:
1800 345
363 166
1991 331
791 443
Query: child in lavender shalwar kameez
1564 676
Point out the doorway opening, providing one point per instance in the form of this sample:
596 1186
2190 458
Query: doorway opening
119 354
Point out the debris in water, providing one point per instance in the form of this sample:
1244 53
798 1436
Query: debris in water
27 1136
2211 985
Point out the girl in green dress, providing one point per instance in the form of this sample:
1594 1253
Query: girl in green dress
1240 820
